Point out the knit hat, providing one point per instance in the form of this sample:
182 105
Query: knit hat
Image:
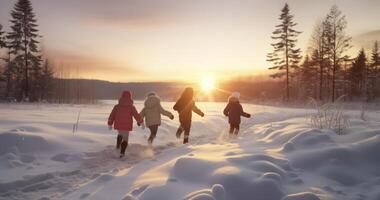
151 94
235 94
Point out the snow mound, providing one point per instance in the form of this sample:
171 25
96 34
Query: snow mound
216 192
341 163
16 142
129 197
192 169
301 196
308 138
202 197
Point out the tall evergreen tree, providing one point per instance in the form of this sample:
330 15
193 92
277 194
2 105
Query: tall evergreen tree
285 56
308 80
375 57
338 42
2 45
8 70
374 72
23 42
46 81
358 75
2 39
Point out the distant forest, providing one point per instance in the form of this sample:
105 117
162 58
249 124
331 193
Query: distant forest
89 91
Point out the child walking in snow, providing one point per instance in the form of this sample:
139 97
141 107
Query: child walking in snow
152 113
121 119
234 110
185 106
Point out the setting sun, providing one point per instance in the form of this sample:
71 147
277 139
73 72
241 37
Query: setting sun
208 84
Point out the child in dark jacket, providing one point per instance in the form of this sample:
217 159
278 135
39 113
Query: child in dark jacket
185 106
121 119
234 110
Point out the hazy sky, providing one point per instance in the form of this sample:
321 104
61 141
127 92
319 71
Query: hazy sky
160 40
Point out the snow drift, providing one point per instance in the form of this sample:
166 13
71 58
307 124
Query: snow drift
277 156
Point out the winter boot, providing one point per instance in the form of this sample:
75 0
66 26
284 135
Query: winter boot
150 140
124 145
118 141
179 132
185 139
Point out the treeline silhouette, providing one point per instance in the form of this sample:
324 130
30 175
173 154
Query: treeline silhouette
324 70
327 71
89 91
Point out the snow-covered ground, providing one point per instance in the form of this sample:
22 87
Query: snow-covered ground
277 155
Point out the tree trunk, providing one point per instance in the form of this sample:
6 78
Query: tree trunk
333 80
287 68
8 76
320 80
26 65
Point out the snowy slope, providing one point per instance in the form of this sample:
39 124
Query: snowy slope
277 156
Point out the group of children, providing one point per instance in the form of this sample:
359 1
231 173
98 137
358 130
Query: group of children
121 117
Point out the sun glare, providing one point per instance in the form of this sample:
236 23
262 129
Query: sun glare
208 84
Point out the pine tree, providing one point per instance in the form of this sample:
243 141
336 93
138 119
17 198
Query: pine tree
374 73
46 81
2 45
285 56
337 42
358 75
375 59
23 42
2 39
308 79
8 70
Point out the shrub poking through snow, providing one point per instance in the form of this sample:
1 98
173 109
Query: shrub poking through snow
363 113
329 116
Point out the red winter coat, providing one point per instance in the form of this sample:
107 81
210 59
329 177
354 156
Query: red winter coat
122 113
234 110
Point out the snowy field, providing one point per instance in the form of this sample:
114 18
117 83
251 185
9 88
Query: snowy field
277 156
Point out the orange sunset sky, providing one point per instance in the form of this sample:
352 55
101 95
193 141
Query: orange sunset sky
179 40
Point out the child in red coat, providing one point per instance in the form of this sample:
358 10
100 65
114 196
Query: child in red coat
234 111
121 119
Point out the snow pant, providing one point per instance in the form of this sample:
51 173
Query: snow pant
184 126
124 135
153 132
234 129
119 139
